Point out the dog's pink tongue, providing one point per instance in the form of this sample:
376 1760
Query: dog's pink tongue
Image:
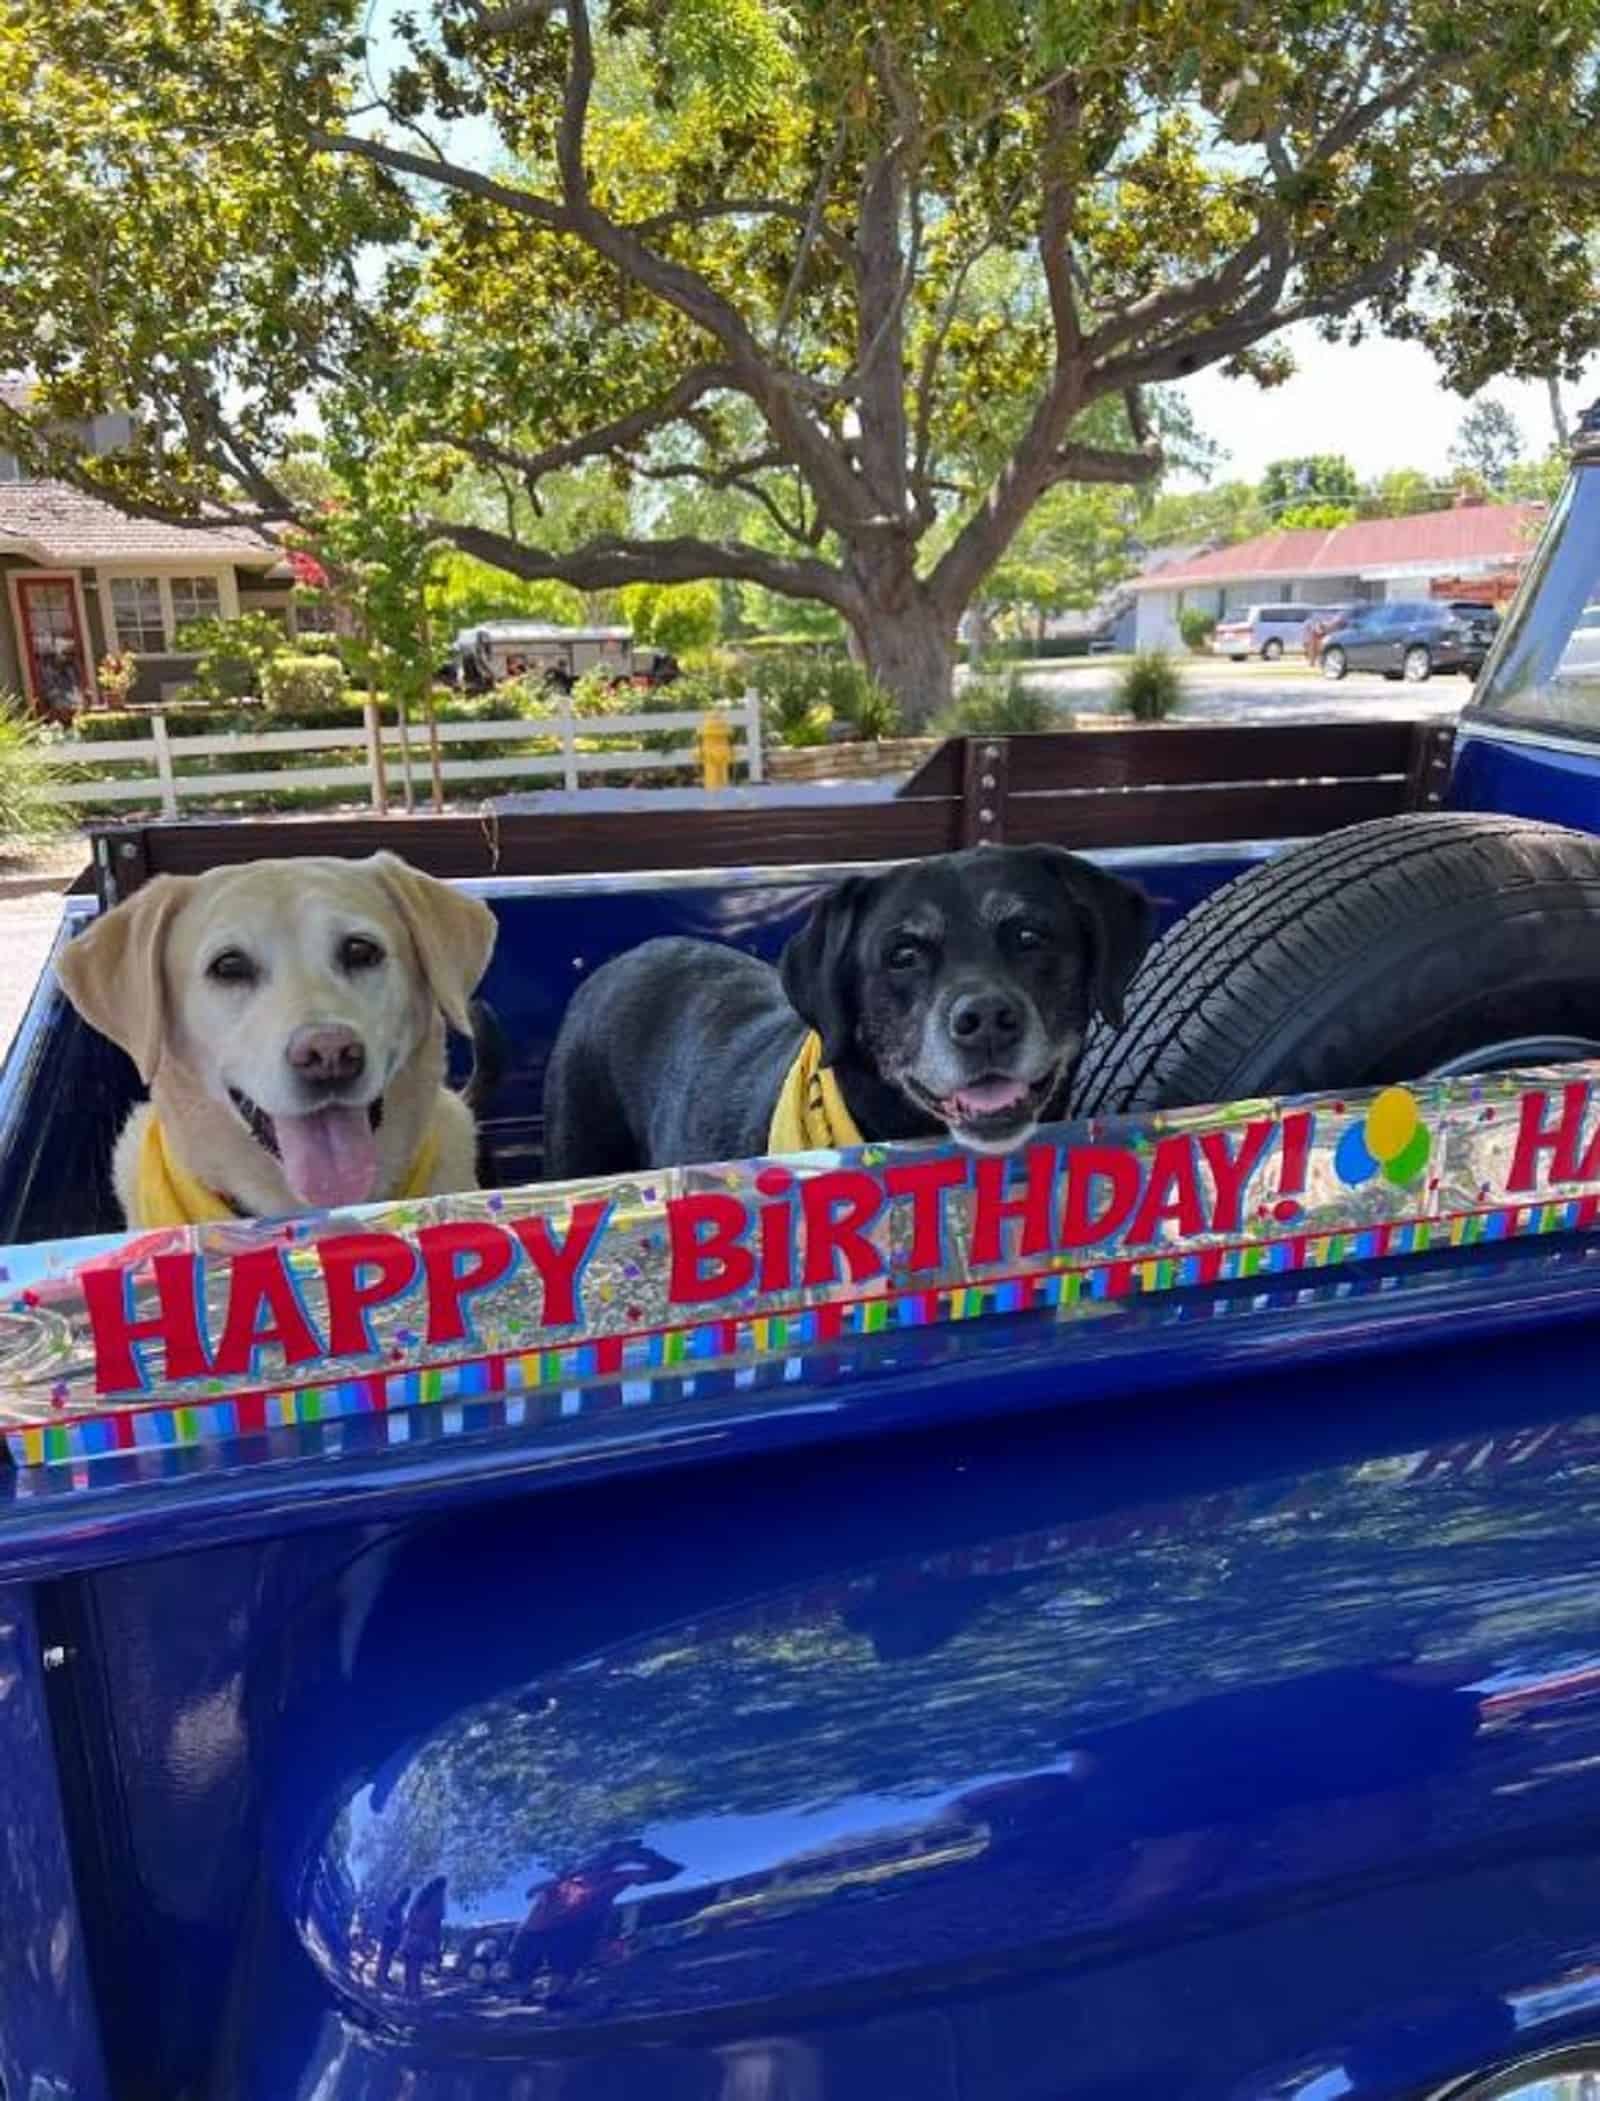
985 1097
329 1159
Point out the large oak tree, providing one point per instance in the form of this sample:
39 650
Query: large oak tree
888 274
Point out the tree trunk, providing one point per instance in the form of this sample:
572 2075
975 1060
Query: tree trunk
1558 413
911 653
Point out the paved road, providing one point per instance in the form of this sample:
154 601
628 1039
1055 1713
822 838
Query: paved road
1217 691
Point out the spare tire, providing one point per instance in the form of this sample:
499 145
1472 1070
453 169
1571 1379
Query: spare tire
1389 951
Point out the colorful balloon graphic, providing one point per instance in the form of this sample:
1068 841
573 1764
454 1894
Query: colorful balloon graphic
1351 1159
1391 1138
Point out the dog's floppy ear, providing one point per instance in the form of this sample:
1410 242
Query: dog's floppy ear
454 934
112 971
818 971
1120 918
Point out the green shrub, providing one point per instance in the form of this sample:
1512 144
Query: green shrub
25 768
594 694
291 684
233 654
716 671
874 713
997 705
1196 626
528 696
802 692
1150 689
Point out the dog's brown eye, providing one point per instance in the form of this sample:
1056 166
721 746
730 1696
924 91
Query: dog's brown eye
905 955
356 952
232 967
1029 937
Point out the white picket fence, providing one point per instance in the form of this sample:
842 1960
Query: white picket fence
371 763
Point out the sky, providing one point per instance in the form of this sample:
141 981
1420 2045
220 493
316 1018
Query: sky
1381 404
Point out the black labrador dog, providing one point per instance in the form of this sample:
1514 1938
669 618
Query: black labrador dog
950 996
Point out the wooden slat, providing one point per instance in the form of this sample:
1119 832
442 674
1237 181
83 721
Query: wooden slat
1148 758
1198 816
567 845
939 773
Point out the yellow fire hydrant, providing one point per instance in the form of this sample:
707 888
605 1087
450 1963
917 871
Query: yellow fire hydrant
716 751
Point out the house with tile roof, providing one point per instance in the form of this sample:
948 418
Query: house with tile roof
1473 550
80 581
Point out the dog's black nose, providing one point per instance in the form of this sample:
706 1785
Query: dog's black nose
985 1021
325 1055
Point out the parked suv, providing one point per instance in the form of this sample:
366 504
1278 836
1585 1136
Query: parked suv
1411 639
1261 630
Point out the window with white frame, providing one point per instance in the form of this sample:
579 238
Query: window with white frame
146 614
137 615
194 598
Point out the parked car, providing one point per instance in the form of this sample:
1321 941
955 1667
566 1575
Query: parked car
1261 631
1411 639
484 657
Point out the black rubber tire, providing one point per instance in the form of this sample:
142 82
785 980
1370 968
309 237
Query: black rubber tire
1333 663
1373 954
1271 651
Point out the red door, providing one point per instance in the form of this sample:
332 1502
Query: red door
53 654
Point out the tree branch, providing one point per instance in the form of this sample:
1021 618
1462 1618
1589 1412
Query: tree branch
736 476
812 225
526 204
1189 353
1103 463
933 352
609 562
1057 206
738 208
884 279
613 437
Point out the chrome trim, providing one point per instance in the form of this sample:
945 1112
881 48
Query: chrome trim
1525 2074
1491 732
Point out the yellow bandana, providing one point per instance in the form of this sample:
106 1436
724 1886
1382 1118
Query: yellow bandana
166 1194
811 1116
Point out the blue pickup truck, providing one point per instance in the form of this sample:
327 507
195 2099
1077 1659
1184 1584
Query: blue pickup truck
1098 1639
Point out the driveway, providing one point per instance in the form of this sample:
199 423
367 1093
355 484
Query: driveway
1216 690
30 912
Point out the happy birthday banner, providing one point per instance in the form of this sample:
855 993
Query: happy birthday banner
196 1334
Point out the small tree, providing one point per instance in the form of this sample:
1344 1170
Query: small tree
1077 545
231 656
1324 516
673 617
1488 442
1402 492
378 547
1317 477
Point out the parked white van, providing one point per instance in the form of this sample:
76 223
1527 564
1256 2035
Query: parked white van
1262 631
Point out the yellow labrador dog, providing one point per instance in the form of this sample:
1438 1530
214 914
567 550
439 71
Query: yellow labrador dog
288 1020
